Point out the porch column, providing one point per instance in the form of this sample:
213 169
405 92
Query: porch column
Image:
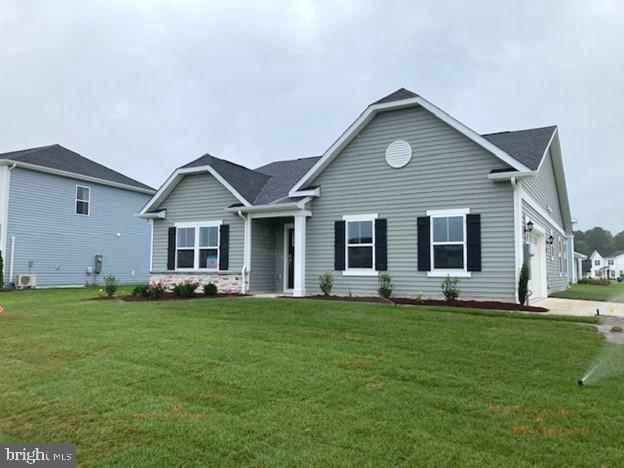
300 252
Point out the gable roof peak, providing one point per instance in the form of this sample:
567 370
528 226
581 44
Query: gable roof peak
397 95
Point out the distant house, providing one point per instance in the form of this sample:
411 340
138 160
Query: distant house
607 267
406 190
58 210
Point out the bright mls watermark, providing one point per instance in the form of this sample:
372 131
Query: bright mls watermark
48 455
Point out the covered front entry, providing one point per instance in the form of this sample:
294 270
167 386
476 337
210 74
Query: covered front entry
538 288
277 255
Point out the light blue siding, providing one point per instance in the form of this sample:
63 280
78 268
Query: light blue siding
61 244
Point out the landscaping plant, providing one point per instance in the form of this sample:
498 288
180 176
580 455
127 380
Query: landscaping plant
210 289
185 288
110 284
140 291
1 272
385 285
156 290
450 289
523 284
326 283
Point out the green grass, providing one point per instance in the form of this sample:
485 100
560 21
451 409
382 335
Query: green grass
614 292
245 381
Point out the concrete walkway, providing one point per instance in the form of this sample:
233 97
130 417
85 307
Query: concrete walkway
558 306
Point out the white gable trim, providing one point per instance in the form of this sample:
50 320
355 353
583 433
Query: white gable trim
552 137
175 178
372 110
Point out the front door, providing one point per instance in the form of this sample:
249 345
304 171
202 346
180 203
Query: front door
289 257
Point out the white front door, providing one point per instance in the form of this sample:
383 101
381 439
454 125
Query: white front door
537 276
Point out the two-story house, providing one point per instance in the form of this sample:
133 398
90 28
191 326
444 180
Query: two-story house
59 210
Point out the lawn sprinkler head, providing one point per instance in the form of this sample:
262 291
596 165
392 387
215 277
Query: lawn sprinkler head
580 382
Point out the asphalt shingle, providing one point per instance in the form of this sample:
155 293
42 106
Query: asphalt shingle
525 146
60 158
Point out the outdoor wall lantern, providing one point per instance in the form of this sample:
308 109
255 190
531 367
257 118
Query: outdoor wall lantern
529 227
550 240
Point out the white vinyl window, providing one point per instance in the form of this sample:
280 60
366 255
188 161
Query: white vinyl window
611 262
197 246
83 200
596 262
360 243
448 242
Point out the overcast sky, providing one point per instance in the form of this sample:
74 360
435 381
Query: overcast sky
145 86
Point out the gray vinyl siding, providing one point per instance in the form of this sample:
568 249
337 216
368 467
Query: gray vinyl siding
543 188
198 197
263 265
267 255
62 244
556 281
447 171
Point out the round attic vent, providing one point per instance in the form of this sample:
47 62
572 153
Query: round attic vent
398 154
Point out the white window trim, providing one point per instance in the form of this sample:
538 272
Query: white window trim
76 200
443 273
359 271
196 247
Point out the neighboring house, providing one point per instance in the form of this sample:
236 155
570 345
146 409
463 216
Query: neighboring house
579 258
406 189
607 267
58 210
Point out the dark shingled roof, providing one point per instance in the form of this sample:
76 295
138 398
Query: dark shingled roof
245 181
284 175
525 146
60 158
398 95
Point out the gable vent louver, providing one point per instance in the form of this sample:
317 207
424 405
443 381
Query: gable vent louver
398 154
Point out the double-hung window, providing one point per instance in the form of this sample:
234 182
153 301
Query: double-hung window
197 246
83 200
360 243
448 241
611 262
597 262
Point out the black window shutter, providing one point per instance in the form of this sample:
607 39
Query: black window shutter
171 248
424 244
339 245
473 241
381 245
224 247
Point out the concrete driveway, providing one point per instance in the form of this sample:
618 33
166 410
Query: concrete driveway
558 306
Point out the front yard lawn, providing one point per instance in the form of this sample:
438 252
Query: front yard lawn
614 292
244 381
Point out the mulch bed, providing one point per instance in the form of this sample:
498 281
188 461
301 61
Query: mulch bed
490 305
166 297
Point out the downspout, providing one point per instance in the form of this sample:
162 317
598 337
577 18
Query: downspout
245 268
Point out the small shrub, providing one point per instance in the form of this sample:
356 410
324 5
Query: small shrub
594 281
210 289
419 297
140 291
156 290
450 289
616 329
110 284
326 283
385 285
185 288
523 284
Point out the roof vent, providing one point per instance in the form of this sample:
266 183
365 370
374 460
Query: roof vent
398 154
